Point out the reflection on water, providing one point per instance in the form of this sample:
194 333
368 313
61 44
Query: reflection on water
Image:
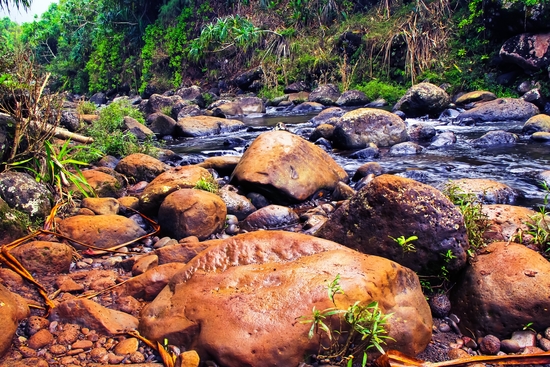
515 165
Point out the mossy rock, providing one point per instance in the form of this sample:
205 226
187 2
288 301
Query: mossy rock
13 223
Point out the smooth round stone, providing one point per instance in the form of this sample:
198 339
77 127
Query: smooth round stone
490 345
541 136
509 346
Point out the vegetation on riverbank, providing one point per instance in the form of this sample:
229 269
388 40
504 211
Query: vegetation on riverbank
377 47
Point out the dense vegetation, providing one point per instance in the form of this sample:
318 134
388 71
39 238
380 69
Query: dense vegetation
128 45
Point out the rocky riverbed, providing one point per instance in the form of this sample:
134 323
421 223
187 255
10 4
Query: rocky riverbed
221 258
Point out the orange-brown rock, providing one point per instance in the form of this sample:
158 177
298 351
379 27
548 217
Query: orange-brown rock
12 311
507 222
104 185
101 205
238 301
504 289
148 285
102 231
224 165
191 212
43 256
287 167
183 177
390 207
487 190
206 125
141 167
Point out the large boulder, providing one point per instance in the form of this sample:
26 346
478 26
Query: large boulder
506 288
190 212
102 231
157 102
390 207
141 167
23 193
540 122
192 94
138 129
238 302
475 96
43 257
245 80
287 167
508 223
103 183
352 98
423 99
325 94
183 177
161 124
501 109
12 311
356 129
206 125
531 52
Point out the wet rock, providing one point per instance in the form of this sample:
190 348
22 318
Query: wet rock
540 122
187 111
495 137
324 131
168 182
356 129
541 136
179 252
444 139
258 200
299 97
43 257
191 94
102 231
161 124
270 217
509 346
342 192
488 191
423 99
21 192
157 102
251 105
544 344
190 212
370 152
352 98
274 164
368 219
292 270
308 107
246 79
377 103
327 115
368 168
475 96
13 310
94 316
141 167
206 125
528 51
103 184
406 148
224 165
501 109
325 94
236 204
489 345
145 263
296 87
101 206
127 346
491 297
421 132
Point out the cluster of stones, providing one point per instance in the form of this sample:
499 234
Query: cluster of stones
231 273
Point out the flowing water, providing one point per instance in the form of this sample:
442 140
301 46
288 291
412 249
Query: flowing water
515 165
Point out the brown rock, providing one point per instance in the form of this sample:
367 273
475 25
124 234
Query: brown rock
12 310
490 345
475 96
36 323
242 297
148 285
141 167
236 204
138 129
43 257
488 191
276 164
537 123
103 184
190 212
101 206
131 202
184 177
40 339
100 230
271 217
94 316
189 359
491 296
206 125
505 221
127 346
180 252
224 165
82 344
69 334
391 206
423 99
66 284
145 263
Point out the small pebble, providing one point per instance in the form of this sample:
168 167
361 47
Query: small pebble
440 305
36 323
97 353
547 333
456 353
40 339
58 349
82 344
509 346
544 344
27 352
137 357
114 359
525 338
127 346
444 328
489 345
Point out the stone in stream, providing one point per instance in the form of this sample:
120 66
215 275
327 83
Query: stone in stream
352 98
141 167
43 257
406 148
328 116
501 109
286 168
537 123
495 137
475 96
103 184
195 126
391 206
240 300
236 204
357 129
444 139
325 94
270 217
506 288
423 99
486 190
102 206
12 311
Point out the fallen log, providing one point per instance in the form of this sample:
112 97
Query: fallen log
62 133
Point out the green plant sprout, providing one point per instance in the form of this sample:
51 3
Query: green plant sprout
207 184
362 327
538 226
405 243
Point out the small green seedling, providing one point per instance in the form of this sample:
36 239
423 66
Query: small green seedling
405 243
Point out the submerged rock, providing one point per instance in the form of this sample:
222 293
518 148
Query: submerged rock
502 109
239 301
495 137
